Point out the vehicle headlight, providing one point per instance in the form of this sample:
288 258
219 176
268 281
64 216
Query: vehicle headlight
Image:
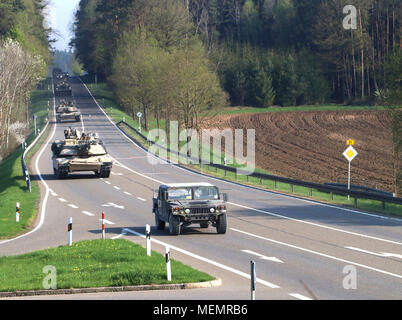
212 210
187 211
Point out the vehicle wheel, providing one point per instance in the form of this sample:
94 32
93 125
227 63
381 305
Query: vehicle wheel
204 225
221 224
174 225
106 174
62 175
160 225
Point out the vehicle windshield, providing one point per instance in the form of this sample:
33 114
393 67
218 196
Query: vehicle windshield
206 193
180 194
195 193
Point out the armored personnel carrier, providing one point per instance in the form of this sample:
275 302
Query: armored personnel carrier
80 152
184 204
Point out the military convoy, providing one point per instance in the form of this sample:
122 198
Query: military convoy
181 205
67 111
80 152
61 85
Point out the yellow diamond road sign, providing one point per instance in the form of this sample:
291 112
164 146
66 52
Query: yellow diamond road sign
350 153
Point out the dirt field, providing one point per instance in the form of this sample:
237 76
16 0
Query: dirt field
309 145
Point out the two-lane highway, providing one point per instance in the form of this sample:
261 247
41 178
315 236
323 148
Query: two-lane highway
303 249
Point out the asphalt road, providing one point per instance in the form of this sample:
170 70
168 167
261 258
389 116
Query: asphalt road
303 249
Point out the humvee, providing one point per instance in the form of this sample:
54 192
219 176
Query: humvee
183 204
80 152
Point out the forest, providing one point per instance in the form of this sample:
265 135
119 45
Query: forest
24 59
263 52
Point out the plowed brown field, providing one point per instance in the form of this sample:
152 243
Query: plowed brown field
309 145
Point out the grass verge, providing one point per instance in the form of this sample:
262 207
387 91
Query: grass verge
12 183
107 100
95 263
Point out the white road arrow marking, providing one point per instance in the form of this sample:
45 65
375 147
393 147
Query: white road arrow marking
88 213
381 254
111 204
106 221
274 259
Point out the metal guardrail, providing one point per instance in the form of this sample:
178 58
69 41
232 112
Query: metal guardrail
292 182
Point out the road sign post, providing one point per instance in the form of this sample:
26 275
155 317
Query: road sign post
17 213
103 226
35 117
70 231
148 236
350 153
168 268
253 274
139 115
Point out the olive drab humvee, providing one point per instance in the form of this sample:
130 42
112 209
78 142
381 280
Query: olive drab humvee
183 204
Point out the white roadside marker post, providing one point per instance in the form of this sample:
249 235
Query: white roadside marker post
148 236
70 231
168 268
103 226
17 213
253 279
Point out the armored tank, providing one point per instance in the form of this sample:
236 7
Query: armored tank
67 113
80 152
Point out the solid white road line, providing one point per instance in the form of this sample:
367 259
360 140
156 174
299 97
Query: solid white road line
119 236
318 253
299 296
217 264
380 254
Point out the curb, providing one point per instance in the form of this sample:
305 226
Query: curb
178 286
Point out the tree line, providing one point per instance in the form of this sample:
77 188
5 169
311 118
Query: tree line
24 57
264 52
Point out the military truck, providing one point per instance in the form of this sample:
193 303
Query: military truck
67 113
80 152
183 204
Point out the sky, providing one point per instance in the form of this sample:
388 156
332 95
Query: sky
60 17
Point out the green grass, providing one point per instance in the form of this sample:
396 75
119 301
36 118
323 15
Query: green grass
102 91
12 183
96 263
